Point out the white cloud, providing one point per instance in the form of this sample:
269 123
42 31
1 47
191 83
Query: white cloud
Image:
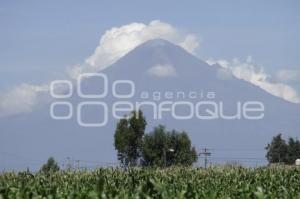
190 43
162 71
118 41
20 99
251 73
288 75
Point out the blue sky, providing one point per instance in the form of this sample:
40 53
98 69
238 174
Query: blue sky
40 39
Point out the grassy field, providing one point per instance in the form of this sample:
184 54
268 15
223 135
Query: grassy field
155 183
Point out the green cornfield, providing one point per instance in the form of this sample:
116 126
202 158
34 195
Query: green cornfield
177 182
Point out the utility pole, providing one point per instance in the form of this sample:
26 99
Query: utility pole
206 154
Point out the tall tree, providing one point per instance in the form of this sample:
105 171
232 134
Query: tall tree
128 138
277 150
162 148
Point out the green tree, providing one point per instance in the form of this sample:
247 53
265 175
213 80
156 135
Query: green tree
50 166
293 150
155 147
128 138
162 148
277 150
184 153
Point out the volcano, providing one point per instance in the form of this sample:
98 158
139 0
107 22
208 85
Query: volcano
161 72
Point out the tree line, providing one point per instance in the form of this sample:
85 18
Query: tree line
162 148
158 148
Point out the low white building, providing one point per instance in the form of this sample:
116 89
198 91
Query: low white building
297 162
